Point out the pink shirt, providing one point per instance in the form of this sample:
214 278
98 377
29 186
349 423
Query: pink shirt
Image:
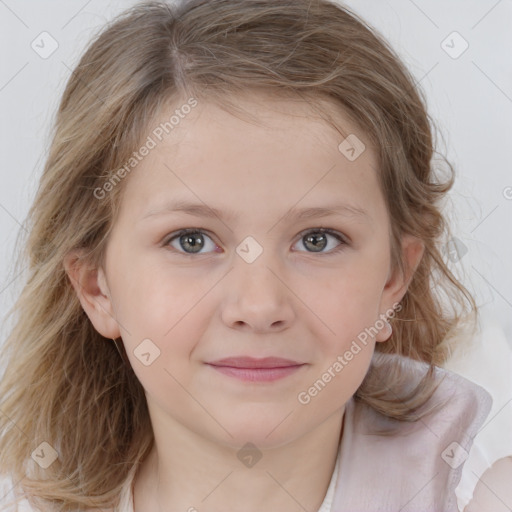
418 467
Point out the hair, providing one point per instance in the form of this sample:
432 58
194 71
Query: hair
64 383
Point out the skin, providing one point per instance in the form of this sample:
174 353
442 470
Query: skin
492 492
291 302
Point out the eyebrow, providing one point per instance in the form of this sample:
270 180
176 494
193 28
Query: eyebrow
202 210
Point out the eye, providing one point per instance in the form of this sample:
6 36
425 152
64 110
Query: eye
318 239
190 241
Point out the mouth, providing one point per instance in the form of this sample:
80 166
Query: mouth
251 369
253 362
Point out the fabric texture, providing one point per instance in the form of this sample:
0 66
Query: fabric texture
418 466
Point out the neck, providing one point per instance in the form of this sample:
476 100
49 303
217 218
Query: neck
186 472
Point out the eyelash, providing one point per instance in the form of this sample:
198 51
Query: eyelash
343 241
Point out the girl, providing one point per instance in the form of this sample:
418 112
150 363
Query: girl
237 298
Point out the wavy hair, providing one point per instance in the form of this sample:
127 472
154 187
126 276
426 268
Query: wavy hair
63 383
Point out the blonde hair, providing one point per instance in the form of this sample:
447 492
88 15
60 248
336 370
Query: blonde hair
64 383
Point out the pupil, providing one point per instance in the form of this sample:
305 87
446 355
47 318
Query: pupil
312 238
195 241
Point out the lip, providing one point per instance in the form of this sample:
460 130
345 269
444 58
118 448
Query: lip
252 362
251 369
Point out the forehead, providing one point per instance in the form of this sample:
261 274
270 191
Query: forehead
281 152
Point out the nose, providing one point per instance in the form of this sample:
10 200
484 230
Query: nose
258 298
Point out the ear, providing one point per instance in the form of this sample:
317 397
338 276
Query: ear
398 282
91 288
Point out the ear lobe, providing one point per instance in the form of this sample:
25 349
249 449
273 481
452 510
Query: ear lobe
91 288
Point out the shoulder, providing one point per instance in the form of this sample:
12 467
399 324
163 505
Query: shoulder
428 453
457 405
493 492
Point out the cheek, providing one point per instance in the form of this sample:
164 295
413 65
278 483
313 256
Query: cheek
158 314
345 341
152 297
346 299
336 381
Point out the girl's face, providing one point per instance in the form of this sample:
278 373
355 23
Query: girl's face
255 278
